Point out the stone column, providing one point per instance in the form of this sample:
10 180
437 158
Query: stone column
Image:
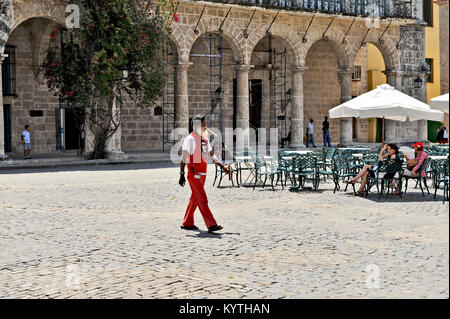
182 95
394 78
2 124
242 98
243 138
114 147
345 78
297 107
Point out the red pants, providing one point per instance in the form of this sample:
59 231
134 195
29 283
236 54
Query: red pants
198 198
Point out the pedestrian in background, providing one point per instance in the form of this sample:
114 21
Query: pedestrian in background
310 133
326 132
442 135
26 139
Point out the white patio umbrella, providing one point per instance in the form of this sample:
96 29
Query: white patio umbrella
388 103
440 103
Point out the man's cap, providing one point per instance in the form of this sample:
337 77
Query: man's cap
198 117
418 144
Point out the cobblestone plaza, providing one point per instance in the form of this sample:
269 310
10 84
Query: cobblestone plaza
114 232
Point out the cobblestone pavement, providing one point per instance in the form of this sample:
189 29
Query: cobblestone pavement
113 232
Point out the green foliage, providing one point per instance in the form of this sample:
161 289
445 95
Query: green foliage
85 65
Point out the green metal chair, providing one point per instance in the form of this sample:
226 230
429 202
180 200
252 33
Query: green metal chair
284 164
267 169
419 177
233 172
441 175
245 165
392 167
304 167
341 171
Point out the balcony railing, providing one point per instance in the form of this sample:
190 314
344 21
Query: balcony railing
375 8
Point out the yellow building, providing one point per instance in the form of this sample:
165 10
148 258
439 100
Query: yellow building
432 57
432 54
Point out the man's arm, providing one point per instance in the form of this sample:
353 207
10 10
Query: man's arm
218 162
183 162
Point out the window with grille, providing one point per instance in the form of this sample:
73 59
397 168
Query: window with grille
356 76
428 12
430 78
9 72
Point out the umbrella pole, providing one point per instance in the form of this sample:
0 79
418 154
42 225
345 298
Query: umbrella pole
382 132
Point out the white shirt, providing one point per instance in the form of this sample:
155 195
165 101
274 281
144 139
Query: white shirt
189 146
26 136
310 128
445 134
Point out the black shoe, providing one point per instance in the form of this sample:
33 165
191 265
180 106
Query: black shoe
193 227
214 228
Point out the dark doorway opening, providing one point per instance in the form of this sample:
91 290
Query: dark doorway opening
7 128
74 117
255 103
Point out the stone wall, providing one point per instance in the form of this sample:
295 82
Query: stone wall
412 54
322 90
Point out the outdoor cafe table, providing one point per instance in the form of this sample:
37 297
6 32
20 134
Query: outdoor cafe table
297 152
248 161
436 158
358 155
354 148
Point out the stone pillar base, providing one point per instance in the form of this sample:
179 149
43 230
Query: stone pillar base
116 155
297 146
344 144
3 157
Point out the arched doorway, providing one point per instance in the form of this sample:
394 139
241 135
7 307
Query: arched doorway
210 79
322 89
271 86
26 96
369 67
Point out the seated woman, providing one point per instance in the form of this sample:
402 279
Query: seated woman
390 152
420 157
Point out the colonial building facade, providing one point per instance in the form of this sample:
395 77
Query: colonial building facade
245 64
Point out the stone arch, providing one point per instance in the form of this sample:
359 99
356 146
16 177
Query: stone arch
231 33
388 49
280 31
177 38
47 9
334 37
40 27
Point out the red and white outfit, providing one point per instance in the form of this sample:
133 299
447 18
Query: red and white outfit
198 148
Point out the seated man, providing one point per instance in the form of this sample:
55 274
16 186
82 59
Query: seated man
420 157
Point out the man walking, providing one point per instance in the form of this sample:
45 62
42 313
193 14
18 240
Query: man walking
195 149
26 139
326 132
310 133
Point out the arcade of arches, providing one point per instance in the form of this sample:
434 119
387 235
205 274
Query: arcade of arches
271 73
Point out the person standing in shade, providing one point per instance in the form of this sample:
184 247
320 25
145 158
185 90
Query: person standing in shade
310 133
326 132
26 139
196 148
442 134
